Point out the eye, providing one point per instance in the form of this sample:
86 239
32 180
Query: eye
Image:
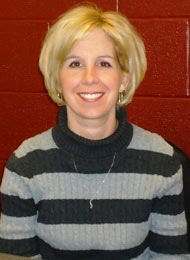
75 64
105 64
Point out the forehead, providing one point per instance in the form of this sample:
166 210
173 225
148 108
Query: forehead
95 41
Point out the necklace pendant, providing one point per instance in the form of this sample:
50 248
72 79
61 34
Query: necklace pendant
91 205
97 191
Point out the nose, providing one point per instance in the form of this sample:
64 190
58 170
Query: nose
90 76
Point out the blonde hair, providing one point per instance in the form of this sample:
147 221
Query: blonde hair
74 25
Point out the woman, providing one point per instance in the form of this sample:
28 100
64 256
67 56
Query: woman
94 186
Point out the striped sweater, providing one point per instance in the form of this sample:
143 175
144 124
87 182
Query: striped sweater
137 208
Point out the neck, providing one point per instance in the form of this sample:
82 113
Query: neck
94 129
88 148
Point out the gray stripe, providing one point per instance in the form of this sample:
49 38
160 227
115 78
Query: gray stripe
17 228
144 256
83 186
86 237
117 186
16 185
141 141
157 256
168 225
37 257
174 185
42 141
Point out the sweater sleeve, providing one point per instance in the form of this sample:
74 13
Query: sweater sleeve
168 235
18 216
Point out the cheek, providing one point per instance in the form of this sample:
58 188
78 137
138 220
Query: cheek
66 82
115 82
69 78
111 79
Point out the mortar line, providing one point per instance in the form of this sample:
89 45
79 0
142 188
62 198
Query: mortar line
117 5
187 58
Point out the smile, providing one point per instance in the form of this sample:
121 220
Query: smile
91 96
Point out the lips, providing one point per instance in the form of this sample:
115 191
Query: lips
90 97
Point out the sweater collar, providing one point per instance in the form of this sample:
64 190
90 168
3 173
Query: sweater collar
83 147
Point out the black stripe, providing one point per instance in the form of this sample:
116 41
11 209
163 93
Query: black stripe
168 244
50 253
128 161
103 211
169 205
22 247
16 207
119 211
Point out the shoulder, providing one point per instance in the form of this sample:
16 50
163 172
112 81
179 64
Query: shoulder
27 159
145 140
42 141
155 153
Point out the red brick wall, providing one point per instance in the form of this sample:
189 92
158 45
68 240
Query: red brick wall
162 103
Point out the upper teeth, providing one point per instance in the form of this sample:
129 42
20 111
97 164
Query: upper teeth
91 96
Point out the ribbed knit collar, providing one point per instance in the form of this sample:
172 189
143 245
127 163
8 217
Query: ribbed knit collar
83 147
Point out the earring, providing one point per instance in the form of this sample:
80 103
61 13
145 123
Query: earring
59 95
120 98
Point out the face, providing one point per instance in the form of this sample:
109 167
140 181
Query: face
91 78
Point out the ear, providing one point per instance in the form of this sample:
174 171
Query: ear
124 81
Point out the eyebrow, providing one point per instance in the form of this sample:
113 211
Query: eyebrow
78 57
72 57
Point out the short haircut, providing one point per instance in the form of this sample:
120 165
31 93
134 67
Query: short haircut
76 23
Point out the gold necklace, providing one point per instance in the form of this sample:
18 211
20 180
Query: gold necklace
98 190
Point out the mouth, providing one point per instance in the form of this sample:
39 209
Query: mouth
91 97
